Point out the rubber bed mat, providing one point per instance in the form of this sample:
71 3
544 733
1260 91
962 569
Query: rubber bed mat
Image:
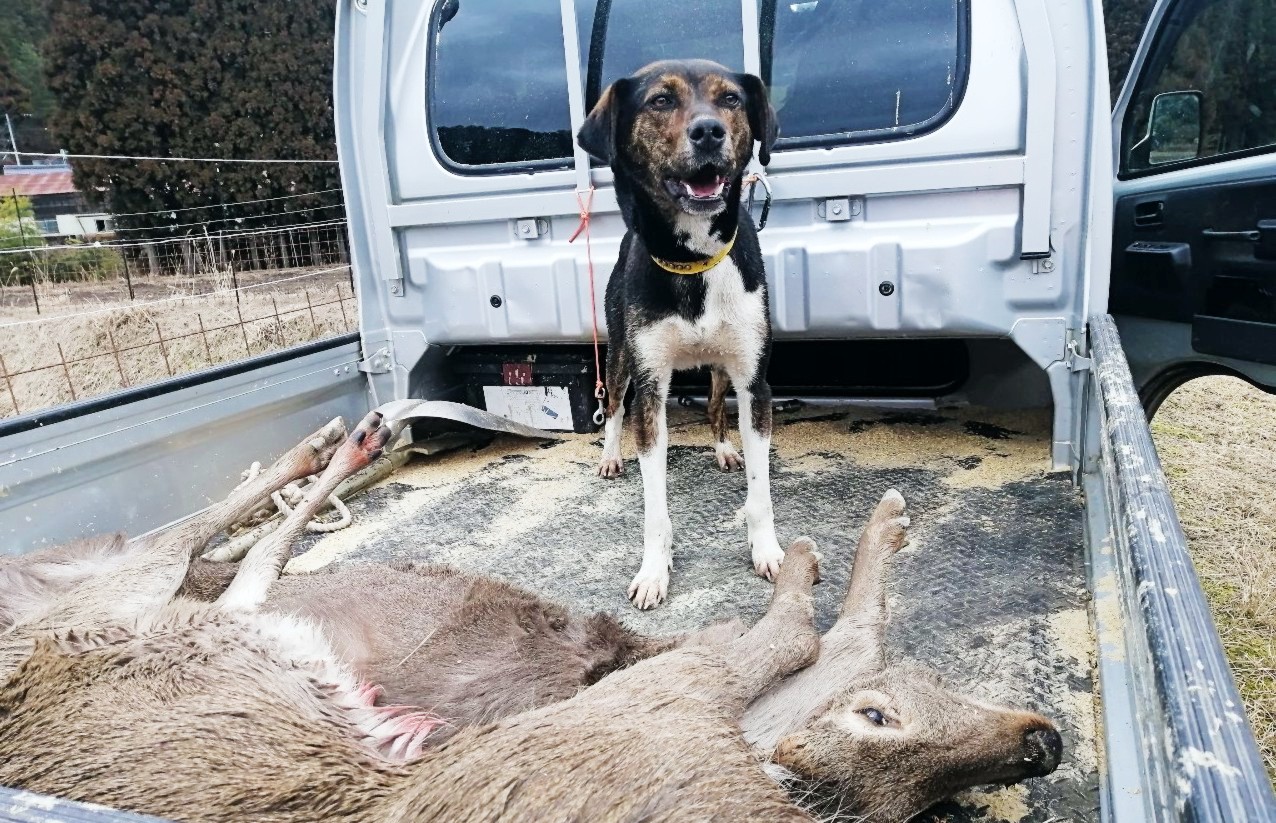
991 590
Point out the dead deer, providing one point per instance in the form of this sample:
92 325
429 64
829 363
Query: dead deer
891 737
477 649
258 718
104 578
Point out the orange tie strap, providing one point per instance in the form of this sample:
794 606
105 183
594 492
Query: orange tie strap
585 200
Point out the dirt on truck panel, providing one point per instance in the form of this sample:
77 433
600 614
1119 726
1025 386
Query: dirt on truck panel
991 590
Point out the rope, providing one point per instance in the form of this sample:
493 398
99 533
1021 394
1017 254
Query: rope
585 200
285 499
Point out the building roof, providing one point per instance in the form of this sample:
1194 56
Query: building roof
36 185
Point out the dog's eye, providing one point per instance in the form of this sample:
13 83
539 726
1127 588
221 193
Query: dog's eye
731 99
661 101
875 716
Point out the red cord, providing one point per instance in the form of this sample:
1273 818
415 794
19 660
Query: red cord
586 202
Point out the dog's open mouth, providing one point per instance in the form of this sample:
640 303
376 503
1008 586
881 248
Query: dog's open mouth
701 192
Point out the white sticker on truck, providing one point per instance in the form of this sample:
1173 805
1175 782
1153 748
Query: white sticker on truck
545 407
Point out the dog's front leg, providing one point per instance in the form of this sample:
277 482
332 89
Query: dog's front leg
755 435
652 582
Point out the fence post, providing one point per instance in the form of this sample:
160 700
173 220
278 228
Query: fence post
159 334
152 259
116 351
128 276
311 307
17 211
204 335
9 382
70 384
341 303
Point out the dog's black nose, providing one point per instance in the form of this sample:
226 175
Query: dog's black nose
706 133
1045 749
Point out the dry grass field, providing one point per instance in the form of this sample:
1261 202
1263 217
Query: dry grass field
175 326
1217 441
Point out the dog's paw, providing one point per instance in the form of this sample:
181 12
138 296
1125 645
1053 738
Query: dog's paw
729 460
767 557
611 467
649 588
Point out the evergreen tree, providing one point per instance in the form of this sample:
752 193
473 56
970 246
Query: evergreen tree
195 78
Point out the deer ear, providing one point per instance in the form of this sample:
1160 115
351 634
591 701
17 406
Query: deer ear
600 133
762 121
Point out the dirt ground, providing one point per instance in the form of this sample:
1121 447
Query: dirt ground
1217 441
174 326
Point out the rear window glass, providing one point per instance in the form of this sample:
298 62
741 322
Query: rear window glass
853 70
633 33
839 70
498 83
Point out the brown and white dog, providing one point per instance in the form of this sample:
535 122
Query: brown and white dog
689 288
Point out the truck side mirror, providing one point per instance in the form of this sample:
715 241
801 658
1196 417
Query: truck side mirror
1174 129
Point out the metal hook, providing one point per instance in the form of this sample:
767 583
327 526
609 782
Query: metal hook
600 416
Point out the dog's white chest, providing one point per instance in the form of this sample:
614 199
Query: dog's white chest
729 332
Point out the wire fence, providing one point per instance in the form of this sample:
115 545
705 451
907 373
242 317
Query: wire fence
201 250
95 308
50 360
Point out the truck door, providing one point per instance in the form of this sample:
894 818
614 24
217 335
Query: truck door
1194 246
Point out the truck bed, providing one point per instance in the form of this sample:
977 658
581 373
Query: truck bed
991 591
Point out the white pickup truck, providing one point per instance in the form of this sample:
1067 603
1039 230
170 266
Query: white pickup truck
941 257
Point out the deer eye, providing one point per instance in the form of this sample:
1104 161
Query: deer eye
731 100
875 716
661 102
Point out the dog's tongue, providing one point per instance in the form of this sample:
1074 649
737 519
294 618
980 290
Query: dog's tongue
705 189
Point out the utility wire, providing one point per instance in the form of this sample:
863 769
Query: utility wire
171 226
32 250
225 205
170 159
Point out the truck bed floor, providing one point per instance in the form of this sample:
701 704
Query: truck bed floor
991 590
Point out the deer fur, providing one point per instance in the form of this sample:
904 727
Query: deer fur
199 711
476 650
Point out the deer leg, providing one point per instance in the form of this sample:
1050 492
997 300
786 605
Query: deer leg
306 458
785 639
728 458
864 608
156 565
261 567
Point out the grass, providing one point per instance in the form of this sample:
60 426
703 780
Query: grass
1217 439
175 326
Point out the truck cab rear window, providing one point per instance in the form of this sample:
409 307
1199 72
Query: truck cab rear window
498 84
840 71
845 71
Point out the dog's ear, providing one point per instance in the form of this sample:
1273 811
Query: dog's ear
762 122
600 133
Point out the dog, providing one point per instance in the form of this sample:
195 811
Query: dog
689 287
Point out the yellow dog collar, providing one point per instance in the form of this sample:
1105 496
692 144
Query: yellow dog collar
695 268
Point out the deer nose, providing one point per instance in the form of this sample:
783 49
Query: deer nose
1045 749
706 133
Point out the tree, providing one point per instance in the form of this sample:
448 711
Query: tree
1125 20
195 78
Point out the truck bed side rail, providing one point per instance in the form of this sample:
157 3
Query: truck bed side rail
1199 758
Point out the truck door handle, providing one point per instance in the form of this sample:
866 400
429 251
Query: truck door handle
1252 235
1150 214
